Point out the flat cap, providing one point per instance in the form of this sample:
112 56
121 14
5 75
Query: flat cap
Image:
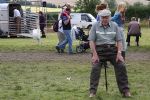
104 12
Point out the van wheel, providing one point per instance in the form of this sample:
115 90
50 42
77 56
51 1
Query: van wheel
89 27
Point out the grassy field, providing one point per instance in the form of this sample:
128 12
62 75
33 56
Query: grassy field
47 79
49 43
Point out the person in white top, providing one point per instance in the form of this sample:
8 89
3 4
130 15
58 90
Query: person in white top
17 20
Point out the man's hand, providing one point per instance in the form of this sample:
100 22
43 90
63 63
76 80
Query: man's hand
95 59
119 57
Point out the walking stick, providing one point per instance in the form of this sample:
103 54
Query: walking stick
105 66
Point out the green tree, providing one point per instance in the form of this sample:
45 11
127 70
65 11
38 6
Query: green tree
111 4
138 10
86 6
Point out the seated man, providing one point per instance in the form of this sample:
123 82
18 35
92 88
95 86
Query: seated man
133 30
104 36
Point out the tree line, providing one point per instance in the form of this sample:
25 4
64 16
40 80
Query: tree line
137 10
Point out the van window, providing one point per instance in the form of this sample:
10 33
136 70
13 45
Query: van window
91 16
85 18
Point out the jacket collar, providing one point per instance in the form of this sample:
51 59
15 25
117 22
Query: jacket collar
100 24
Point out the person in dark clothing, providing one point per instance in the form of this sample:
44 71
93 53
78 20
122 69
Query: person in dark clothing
42 23
133 30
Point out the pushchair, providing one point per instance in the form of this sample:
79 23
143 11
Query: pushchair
83 41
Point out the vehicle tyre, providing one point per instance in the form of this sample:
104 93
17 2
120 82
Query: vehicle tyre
89 27
79 49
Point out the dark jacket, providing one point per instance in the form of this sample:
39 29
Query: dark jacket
42 20
134 28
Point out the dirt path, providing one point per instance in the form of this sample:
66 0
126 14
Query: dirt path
52 56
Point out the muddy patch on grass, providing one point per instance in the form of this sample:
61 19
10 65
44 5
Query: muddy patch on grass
53 56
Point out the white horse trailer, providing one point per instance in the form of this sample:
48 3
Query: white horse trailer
29 21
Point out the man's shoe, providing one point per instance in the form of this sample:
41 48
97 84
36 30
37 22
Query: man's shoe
58 49
127 94
92 95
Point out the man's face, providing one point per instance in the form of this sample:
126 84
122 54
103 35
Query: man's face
105 20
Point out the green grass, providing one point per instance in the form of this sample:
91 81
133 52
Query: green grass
48 44
47 80
28 44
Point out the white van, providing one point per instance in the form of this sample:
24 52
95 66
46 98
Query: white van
82 20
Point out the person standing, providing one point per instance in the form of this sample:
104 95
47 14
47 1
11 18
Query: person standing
103 37
134 29
119 18
42 23
60 33
17 19
66 24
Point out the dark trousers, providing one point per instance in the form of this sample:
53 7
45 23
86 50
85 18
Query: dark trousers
42 29
120 72
128 38
18 24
